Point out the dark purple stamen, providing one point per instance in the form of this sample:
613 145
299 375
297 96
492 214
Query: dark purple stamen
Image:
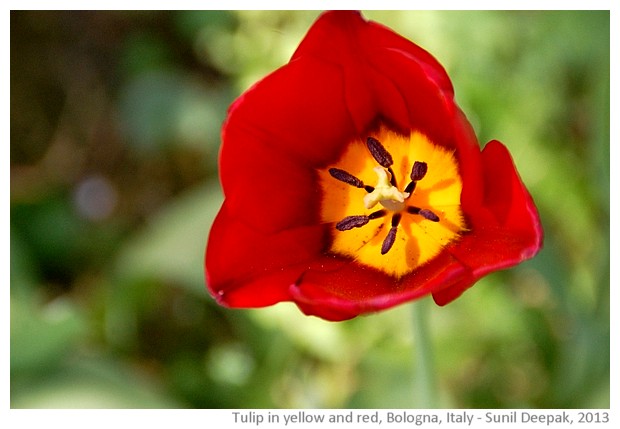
382 156
391 236
410 188
392 178
413 209
395 220
379 153
418 171
351 222
389 240
377 214
429 215
425 213
349 179
345 177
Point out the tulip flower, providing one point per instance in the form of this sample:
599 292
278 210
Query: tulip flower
354 183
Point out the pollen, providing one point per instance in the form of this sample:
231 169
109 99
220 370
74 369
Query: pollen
418 188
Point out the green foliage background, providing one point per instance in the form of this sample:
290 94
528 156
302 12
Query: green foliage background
115 120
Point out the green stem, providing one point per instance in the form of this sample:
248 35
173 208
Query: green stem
425 387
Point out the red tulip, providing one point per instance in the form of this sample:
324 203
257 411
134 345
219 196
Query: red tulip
354 183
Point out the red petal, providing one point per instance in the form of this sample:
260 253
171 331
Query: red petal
247 268
418 96
428 109
342 290
299 110
506 196
263 186
506 229
355 34
338 38
469 160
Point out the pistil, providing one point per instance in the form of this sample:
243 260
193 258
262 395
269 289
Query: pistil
385 193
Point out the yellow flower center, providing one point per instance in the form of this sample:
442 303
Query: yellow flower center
394 200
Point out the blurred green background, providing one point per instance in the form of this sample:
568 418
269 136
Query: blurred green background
115 120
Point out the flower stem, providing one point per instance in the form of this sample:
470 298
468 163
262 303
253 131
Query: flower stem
425 387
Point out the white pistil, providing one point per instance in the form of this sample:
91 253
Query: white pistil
385 194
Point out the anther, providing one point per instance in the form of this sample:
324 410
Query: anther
349 179
418 171
425 213
345 177
391 236
379 153
429 215
351 222
382 156
389 240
